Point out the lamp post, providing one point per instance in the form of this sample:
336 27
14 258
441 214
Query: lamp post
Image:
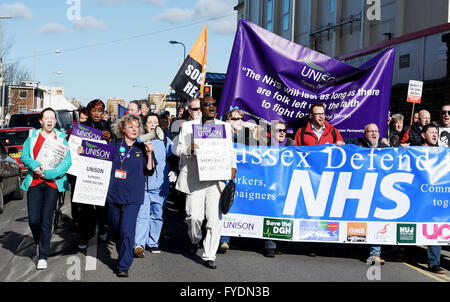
51 87
184 57
146 89
184 47
34 67
2 85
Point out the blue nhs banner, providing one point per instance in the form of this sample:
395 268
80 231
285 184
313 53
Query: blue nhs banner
349 183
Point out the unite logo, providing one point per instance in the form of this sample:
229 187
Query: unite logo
439 231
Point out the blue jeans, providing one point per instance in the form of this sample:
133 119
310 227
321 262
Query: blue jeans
150 220
41 202
434 255
225 239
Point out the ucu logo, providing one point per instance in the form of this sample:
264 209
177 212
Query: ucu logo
439 231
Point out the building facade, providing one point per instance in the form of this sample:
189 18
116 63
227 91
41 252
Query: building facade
24 97
112 106
354 31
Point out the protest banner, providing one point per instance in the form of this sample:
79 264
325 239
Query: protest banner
213 152
190 78
79 133
52 153
94 173
351 194
271 78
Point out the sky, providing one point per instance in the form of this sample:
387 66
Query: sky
108 46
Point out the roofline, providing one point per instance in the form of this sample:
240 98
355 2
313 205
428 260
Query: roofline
412 36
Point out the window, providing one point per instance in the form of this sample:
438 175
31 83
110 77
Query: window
23 94
286 14
22 109
268 16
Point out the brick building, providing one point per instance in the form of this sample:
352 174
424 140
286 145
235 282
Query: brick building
24 97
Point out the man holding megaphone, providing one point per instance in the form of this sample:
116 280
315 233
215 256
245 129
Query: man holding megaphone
149 221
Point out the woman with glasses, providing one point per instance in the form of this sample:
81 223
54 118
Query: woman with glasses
278 135
243 132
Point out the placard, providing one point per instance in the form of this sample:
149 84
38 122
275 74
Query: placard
52 153
94 173
213 154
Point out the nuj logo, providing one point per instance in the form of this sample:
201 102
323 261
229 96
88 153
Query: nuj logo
316 72
438 232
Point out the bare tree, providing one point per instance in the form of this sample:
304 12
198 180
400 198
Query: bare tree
13 73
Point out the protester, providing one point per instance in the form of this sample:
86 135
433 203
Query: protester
82 114
43 185
278 135
444 127
90 215
202 196
164 123
145 107
134 108
150 217
430 139
413 136
372 140
318 131
132 162
415 118
395 131
243 135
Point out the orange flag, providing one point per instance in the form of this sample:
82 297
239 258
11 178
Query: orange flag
190 78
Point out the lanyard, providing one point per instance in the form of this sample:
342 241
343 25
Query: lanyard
122 159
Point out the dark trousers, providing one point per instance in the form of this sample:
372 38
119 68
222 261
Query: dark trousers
41 202
74 207
122 221
88 216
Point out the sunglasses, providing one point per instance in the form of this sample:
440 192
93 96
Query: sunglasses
207 104
282 130
236 118
444 112
195 109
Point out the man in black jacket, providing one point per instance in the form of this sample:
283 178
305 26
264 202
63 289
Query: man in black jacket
413 136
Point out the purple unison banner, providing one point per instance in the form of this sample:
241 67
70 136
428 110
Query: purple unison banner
271 78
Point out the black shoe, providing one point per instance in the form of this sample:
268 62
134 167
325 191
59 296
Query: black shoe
270 253
122 274
194 248
209 264
437 269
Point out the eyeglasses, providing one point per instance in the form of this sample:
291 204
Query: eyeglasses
444 112
371 131
207 104
281 130
195 109
321 114
236 118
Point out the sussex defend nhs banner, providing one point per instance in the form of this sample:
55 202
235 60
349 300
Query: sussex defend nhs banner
271 78
345 194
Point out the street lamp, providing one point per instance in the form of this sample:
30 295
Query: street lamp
40 53
184 47
146 89
51 87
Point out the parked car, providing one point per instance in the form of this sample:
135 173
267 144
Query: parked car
13 139
10 179
31 119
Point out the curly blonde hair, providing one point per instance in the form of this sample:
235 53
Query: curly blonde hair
123 122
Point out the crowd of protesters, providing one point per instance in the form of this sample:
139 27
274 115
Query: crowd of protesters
140 183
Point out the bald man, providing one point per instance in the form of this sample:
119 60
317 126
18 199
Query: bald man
413 136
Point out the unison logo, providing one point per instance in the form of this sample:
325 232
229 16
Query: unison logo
95 151
315 72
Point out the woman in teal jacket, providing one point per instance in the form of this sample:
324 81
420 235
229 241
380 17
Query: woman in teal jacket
43 185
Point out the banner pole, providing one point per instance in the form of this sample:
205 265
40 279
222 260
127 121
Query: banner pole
163 99
412 114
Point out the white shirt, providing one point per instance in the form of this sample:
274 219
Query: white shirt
318 132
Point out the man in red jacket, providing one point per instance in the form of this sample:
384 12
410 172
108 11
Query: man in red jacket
318 131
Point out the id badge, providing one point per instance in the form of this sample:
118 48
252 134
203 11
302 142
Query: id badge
120 174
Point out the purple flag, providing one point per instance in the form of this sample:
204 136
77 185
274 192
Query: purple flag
271 78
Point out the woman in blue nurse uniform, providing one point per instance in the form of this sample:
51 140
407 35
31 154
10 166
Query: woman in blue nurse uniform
132 162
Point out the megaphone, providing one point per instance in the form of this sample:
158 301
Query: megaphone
158 133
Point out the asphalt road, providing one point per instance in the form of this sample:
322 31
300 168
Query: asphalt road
244 262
